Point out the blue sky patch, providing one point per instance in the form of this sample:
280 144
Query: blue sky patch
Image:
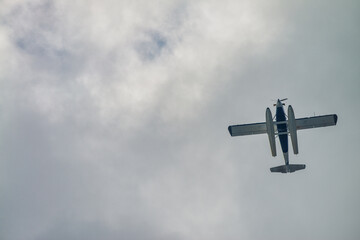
152 47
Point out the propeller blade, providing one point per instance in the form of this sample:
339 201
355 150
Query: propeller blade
284 99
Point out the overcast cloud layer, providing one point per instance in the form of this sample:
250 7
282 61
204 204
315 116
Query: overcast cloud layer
114 115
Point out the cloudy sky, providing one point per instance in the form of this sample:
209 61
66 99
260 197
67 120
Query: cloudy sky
114 116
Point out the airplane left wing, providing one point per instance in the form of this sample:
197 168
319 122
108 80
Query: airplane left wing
315 122
247 129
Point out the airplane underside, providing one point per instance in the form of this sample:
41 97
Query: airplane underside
283 126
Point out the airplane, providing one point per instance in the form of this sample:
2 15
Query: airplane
282 127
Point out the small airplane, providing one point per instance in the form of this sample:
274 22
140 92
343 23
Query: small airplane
282 127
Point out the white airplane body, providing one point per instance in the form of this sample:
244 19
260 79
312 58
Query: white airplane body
282 127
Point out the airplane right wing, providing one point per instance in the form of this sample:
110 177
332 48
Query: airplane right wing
318 121
247 129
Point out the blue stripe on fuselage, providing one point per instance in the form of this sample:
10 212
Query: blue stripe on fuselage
280 116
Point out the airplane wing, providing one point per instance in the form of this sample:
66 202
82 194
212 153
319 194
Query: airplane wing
301 123
247 129
314 122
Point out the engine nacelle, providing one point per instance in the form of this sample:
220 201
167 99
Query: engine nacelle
270 131
292 129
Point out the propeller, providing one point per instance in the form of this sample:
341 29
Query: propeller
275 100
281 100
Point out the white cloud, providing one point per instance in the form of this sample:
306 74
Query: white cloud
101 47
114 117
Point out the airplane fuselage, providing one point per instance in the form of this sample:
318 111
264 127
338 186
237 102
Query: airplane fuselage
282 130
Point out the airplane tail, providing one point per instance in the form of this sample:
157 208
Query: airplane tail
288 168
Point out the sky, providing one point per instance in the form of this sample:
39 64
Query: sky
114 116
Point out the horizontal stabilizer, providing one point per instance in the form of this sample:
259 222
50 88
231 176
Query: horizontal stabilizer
288 168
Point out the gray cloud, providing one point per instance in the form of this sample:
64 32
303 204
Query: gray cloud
114 115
